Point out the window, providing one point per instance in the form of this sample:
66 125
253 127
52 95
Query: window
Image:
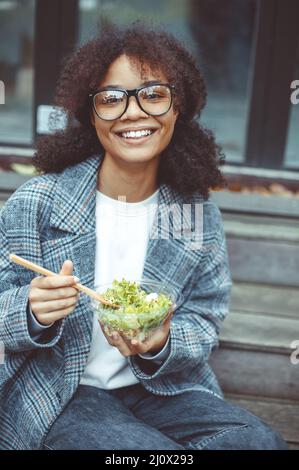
224 36
16 71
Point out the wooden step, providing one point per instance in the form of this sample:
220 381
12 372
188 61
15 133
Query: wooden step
256 203
249 331
282 415
265 261
262 228
255 372
260 219
263 249
254 356
255 298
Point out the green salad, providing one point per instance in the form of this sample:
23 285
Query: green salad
139 311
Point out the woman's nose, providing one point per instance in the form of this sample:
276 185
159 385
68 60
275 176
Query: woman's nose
133 110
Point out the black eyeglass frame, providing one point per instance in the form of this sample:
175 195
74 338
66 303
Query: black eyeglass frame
129 93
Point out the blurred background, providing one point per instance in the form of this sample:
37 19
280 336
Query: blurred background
248 51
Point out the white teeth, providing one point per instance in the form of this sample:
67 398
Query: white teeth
136 134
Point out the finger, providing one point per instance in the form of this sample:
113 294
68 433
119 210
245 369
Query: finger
54 305
114 339
141 347
38 295
52 282
67 268
51 317
157 340
136 346
121 345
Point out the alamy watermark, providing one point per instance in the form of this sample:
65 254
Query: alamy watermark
177 221
295 354
295 94
2 92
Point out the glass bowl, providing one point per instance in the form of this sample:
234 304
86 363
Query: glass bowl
136 324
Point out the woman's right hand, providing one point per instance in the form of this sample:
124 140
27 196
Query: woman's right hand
52 298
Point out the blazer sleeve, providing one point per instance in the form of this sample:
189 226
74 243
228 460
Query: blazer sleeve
195 325
14 329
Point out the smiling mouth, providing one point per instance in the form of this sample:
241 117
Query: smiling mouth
136 136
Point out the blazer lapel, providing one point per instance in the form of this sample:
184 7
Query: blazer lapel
169 256
74 202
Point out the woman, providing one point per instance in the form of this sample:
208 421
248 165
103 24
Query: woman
131 97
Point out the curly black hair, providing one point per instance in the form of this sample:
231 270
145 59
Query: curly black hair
190 163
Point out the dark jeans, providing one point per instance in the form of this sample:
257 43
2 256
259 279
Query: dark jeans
133 418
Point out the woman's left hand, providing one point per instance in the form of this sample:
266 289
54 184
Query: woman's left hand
152 345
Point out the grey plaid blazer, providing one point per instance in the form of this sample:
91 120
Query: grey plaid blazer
51 218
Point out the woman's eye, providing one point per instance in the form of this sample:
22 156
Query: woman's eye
111 100
153 96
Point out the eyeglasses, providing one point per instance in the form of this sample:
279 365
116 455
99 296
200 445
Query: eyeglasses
111 103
